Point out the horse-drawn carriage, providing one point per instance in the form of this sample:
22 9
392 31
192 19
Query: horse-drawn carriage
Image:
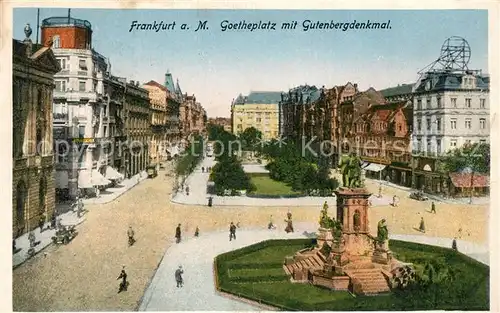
64 234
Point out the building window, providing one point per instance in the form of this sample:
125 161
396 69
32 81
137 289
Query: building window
467 102
468 123
428 124
428 104
60 85
438 100
438 146
419 124
105 130
453 143
453 123
419 104
438 124
81 86
482 123
428 145
419 144
468 142
454 102
258 119
81 131
482 141
82 64
482 103
56 42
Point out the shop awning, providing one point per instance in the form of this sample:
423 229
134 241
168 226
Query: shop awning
374 167
113 174
61 179
98 179
84 179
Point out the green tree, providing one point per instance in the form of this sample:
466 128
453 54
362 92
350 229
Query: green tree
228 174
251 138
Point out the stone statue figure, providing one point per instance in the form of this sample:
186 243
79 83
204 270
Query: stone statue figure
27 30
382 232
350 167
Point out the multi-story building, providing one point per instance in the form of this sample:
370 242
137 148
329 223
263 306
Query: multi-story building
193 116
175 100
308 113
137 122
81 113
450 109
158 95
399 93
260 109
33 195
225 122
381 136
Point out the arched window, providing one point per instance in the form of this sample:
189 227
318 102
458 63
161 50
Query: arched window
20 204
56 42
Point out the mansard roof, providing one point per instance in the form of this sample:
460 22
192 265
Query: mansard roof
447 80
399 90
259 97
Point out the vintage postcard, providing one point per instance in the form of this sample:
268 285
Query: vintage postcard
235 159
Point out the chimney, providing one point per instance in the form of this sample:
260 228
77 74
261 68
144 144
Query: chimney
356 87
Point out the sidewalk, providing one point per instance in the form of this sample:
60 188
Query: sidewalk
45 238
112 193
198 180
475 200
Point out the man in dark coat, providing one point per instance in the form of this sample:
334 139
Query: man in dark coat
433 208
454 244
178 234
124 283
41 222
178 277
232 232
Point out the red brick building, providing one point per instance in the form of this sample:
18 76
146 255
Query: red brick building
380 133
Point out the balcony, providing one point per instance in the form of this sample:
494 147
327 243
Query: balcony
60 117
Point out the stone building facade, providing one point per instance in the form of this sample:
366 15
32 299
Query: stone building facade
33 194
225 122
137 122
83 127
311 114
193 117
381 136
158 95
260 109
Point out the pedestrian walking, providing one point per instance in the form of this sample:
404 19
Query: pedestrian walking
271 223
232 232
178 234
130 234
394 201
203 169
197 232
454 244
124 284
187 190
41 222
210 201
32 239
178 276
422 225
433 207
53 221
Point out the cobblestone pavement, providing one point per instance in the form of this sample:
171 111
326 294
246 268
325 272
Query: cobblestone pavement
199 292
82 276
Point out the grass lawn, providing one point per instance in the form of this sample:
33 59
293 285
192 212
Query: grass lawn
255 272
267 186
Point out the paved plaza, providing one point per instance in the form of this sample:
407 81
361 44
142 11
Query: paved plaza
93 260
196 256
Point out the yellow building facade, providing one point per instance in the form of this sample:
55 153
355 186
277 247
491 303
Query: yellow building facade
258 110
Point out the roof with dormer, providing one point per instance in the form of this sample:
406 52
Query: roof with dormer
447 80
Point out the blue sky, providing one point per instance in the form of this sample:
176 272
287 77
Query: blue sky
216 66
